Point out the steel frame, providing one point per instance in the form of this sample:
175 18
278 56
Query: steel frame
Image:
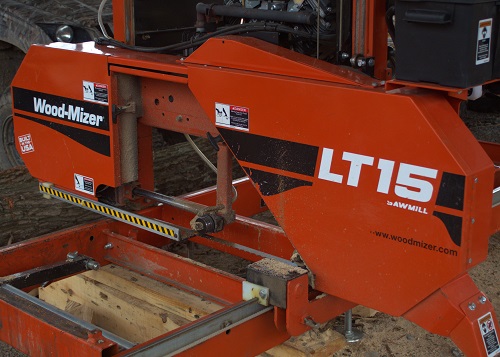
114 242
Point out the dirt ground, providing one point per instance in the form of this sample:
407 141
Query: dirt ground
385 336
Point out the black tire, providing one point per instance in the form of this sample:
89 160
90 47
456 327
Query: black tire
9 157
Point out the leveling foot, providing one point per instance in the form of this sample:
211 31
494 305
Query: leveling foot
351 334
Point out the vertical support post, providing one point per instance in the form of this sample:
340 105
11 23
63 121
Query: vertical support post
370 33
343 23
225 183
128 110
123 21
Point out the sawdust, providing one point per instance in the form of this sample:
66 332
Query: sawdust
278 269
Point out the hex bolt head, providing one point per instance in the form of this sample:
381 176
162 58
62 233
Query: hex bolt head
361 62
473 220
472 306
263 294
371 62
93 265
482 299
179 118
71 256
345 55
108 246
100 341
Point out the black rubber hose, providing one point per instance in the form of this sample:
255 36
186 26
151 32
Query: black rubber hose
231 30
390 23
300 17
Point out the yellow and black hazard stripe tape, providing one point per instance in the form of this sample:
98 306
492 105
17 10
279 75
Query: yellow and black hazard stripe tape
110 211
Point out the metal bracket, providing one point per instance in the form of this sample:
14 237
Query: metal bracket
252 291
73 265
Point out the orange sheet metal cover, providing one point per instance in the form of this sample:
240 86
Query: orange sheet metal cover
386 196
62 118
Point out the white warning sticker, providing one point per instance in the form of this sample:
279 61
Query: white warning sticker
95 92
84 184
232 116
484 41
489 334
26 143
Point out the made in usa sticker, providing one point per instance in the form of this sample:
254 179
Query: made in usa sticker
26 143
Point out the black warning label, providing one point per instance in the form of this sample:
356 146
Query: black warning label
489 334
484 41
239 117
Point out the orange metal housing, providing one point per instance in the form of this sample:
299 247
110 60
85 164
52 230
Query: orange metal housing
385 194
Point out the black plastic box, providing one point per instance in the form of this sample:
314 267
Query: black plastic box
451 43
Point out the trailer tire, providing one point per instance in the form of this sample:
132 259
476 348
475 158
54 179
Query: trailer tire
9 157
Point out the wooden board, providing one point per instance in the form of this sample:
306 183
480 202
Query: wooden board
311 343
126 303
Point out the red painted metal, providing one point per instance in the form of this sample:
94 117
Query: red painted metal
346 210
32 335
249 339
454 310
320 309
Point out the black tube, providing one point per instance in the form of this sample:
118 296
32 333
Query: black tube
301 17
390 23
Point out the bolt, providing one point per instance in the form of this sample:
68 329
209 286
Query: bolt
472 220
353 61
470 260
371 62
108 246
263 294
345 55
226 323
472 306
92 265
296 28
308 321
361 62
482 299
198 226
71 256
329 9
100 341
476 180
179 118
